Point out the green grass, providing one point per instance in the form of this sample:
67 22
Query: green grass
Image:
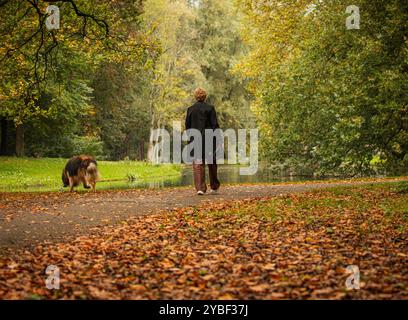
33 175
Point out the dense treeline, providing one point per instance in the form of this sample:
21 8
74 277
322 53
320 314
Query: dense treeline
112 72
329 99
47 77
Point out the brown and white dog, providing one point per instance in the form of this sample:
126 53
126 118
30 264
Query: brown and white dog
82 169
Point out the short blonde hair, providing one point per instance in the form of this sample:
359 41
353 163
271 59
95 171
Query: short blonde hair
200 94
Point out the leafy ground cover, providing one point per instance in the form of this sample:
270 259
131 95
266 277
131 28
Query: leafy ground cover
294 246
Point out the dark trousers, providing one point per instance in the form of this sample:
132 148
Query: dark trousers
199 176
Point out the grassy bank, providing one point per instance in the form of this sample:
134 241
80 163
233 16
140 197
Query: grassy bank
31 175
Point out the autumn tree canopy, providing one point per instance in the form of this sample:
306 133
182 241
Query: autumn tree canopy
329 99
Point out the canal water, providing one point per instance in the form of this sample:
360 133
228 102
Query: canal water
228 174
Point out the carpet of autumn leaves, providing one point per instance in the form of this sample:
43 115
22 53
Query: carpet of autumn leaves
290 247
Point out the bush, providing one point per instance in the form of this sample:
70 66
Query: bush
88 145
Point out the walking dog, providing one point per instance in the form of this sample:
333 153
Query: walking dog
82 169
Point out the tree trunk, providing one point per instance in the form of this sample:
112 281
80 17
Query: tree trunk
4 137
20 140
141 150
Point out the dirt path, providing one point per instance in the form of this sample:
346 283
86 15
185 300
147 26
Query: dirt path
26 219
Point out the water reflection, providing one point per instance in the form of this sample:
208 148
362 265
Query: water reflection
228 174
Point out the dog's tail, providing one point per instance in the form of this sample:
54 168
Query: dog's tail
65 179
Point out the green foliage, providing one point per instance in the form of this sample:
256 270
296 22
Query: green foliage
46 77
121 115
328 99
66 101
114 71
88 145
218 46
200 43
200 46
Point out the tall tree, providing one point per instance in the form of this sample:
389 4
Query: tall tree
329 99
217 48
175 72
31 56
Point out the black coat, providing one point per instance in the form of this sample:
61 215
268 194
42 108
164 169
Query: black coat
202 116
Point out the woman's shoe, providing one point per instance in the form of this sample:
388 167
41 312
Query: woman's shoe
214 192
200 193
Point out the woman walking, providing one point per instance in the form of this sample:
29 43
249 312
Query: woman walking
202 116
